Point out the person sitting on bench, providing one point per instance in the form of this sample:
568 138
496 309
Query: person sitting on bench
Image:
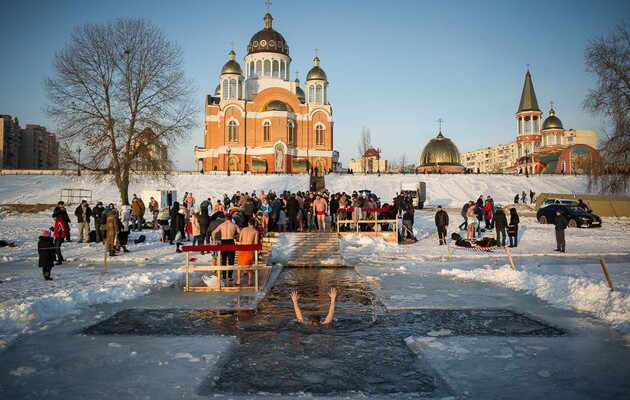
316 319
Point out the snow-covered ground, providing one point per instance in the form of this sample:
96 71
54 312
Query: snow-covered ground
573 280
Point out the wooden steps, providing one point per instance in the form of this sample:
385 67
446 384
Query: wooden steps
312 249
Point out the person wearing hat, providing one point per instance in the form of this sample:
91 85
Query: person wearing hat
60 210
441 222
500 224
46 251
561 225
83 213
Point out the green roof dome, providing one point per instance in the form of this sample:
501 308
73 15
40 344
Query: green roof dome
232 67
552 122
299 92
440 151
267 40
316 72
278 105
217 91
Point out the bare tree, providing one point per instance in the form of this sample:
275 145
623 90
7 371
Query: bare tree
118 92
365 142
608 60
403 163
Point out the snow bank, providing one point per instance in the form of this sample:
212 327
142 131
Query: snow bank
578 293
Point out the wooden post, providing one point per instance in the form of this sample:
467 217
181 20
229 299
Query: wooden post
605 269
187 289
450 254
507 250
105 259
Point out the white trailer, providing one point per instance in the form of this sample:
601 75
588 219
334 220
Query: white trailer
417 191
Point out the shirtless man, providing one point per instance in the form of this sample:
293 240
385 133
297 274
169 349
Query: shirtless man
314 320
321 209
248 235
228 230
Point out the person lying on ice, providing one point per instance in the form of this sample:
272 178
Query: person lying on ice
315 320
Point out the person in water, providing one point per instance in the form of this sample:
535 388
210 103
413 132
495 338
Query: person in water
314 320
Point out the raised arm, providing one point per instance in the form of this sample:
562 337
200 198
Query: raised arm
298 314
331 310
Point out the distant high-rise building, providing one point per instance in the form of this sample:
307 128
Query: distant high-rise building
10 133
38 148
30 148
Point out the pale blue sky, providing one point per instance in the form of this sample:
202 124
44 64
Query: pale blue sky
394 67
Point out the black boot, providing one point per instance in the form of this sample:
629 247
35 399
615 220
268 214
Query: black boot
178 249
125 249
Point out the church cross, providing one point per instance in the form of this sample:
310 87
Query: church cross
527 66
316 51
232 43
268 4
551 104
297 74
439 121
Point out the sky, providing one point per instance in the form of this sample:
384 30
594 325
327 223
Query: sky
394 67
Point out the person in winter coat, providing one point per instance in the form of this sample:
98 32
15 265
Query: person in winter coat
111 226
464 225
60 233
196 228
61 210
479 213
292 211
180 227
100 218
46 251
407 221
137 213
561 225
512 229
204 222
500 224
173 213
441 222
487 214
154 207
83 213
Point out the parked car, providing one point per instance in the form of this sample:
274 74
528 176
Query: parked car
552 200
577 216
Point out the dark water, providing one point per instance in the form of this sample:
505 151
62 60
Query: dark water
362 352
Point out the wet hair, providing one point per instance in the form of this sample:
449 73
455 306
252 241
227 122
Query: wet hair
315 320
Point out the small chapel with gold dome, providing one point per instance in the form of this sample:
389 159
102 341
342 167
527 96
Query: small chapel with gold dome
259 120
440 155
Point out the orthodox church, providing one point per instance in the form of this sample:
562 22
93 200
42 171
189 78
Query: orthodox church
540 146
261 121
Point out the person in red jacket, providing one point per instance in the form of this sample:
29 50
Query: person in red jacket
488 214
59 231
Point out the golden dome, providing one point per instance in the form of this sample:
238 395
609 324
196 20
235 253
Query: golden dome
316 73
552 122
232 66
440 151
278 105
268 40
299 92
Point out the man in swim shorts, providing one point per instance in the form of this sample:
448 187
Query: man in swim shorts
321 209
248 235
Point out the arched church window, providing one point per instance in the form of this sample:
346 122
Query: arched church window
267 68
282 70
258 68
319 135
240 90
267 131
311 94
252 71
291 137
536 147
536 122
276 69
224 91
232 131
232 95
528 125
319 95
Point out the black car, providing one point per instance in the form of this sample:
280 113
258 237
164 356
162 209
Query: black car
577 216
